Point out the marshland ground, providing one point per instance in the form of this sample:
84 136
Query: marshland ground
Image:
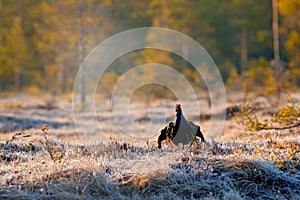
42 155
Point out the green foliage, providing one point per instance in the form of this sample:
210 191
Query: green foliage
259 77
31 146
260 73
288 114
42 43
233 79
107 83
290 29
285 155
15 106
248 119
295 76
287 117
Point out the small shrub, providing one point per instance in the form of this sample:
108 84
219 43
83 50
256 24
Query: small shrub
286 117
14 106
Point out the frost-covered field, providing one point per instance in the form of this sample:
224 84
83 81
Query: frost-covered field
37 162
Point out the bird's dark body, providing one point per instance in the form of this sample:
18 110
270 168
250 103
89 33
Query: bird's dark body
182 131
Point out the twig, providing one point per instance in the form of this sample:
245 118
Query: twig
279 128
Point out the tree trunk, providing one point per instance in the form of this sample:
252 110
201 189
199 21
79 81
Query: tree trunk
185 48
81 56
62 77
275 30
1 25
17 77
244 49
276 64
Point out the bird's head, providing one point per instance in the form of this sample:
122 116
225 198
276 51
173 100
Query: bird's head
178 108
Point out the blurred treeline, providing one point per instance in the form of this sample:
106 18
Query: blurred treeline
42 43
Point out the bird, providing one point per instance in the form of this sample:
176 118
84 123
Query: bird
180 131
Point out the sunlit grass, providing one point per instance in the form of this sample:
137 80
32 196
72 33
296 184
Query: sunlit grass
42 163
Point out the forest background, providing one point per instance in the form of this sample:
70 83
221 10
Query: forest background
254 43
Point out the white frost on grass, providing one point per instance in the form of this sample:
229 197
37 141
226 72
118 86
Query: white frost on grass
236 166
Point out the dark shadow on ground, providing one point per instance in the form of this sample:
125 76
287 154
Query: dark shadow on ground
10 123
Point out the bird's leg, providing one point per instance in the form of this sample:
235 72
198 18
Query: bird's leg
161 137
200 134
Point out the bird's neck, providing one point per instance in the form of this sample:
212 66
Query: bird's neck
178 118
